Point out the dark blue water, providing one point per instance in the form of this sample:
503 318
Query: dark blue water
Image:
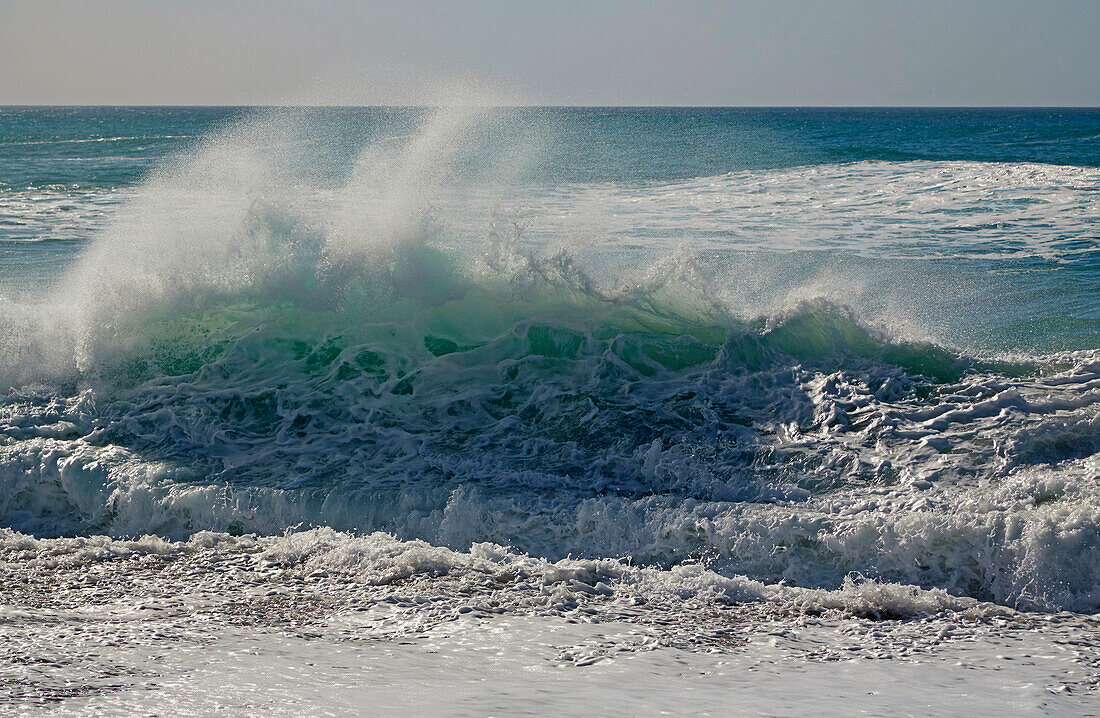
117 146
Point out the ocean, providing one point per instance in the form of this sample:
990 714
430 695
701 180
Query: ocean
609 391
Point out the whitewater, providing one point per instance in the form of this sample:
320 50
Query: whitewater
478 410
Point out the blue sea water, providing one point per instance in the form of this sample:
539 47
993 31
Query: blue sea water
795 344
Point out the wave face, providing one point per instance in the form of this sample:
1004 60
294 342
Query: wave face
418 343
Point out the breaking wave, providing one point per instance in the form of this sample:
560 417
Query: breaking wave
248 349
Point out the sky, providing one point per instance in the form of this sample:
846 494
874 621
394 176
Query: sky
556 52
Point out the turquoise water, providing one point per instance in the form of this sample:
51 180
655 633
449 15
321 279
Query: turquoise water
792 343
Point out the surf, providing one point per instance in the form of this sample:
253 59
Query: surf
254 345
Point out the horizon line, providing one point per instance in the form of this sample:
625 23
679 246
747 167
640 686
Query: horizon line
551 106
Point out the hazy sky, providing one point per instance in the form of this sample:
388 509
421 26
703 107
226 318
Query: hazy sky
778 52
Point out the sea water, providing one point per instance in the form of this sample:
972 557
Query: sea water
659 366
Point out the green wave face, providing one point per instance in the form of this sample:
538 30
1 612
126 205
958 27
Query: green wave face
485 378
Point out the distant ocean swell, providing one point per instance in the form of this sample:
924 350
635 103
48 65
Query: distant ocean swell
233 356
